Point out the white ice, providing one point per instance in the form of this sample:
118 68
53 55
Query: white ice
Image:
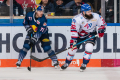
49 73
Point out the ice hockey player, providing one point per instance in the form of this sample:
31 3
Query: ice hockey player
83 26
35 23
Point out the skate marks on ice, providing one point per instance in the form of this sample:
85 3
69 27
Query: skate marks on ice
50 73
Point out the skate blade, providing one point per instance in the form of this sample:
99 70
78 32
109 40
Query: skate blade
81 70
57 67
18 67
61 69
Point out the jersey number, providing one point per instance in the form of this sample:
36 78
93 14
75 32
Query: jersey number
73 27
42 29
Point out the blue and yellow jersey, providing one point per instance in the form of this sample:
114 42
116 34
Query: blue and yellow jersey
38 25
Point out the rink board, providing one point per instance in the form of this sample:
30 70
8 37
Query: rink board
48 63
106 51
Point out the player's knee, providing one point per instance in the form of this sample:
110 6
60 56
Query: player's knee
72 51
46 48
71 54
23 52
27 40
89 47
26 47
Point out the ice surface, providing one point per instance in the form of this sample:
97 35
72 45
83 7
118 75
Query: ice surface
71 73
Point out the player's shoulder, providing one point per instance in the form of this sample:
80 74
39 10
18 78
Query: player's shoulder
96 15
44 18
78 17
30 13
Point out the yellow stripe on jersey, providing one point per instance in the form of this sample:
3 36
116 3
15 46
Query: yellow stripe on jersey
45 40
34 28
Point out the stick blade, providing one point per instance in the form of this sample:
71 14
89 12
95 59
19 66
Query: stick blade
29 68
34 58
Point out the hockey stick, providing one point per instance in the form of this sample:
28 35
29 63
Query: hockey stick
29 67
40 60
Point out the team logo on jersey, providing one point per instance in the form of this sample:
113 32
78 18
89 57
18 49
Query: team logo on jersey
74 21
34 28
38 22
44 24
88 25
83 22
81 17
30 18
42 29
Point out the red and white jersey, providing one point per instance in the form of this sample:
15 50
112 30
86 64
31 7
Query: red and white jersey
82 27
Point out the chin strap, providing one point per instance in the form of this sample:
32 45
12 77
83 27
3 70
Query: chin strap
84 11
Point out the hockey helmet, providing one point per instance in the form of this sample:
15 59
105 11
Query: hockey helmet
85 7
38 8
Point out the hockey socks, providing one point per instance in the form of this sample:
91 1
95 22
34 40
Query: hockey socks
22 55
86 57
70 55
69 58
67 62
54 58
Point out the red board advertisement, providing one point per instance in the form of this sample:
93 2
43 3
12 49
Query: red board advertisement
26 3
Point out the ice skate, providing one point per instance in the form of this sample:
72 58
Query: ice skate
83 67
63 67
18 64
56 64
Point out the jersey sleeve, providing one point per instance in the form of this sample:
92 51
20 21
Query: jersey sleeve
26 22
45 25
74 29
46 31
101 21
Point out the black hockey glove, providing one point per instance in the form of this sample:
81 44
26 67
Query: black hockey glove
33 40
29 31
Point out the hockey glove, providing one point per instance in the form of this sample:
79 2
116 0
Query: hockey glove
101 31
72 42
33 40
29 31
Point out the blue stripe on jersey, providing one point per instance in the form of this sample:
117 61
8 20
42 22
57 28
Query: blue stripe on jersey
73 30
74 38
